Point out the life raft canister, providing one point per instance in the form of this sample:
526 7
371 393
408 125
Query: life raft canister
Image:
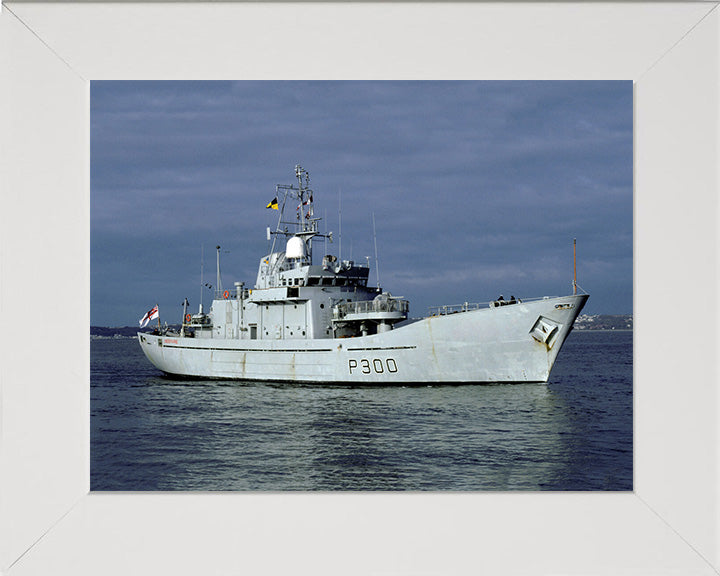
226 294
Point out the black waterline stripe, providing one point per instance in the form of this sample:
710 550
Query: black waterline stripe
384 348
248 349
285 350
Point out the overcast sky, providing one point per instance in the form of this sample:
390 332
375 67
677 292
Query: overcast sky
478 188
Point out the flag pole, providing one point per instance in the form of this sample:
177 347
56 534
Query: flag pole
218 285
574 267
158 309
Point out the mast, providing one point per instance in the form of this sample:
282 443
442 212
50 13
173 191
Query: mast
377 263
305 224
340 224
299 172
202 264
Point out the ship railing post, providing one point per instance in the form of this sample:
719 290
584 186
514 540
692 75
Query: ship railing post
239 287
184 316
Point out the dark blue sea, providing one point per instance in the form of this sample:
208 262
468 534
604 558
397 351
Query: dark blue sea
149 432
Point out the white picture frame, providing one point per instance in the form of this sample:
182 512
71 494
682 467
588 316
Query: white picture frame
51 523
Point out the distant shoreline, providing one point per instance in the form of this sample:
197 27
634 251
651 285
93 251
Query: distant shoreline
576 329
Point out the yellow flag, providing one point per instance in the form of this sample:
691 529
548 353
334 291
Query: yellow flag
273 204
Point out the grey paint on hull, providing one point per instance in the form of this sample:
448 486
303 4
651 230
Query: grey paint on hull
503 344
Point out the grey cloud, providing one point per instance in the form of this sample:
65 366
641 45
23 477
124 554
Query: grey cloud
501 175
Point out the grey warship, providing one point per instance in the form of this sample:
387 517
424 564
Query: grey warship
322 323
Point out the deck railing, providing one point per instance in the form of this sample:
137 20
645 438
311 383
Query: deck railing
455 308
372 306
467 306
232 293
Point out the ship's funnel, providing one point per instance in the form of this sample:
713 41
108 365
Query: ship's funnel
295 248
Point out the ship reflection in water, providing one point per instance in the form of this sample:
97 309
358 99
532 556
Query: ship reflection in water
150 432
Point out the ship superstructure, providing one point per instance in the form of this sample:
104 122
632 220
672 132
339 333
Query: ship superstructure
321 322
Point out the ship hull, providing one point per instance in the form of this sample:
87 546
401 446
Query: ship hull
512 343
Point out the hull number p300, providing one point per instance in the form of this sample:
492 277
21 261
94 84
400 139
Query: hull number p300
374 365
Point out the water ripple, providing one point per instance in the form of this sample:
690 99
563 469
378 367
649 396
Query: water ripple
149 432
